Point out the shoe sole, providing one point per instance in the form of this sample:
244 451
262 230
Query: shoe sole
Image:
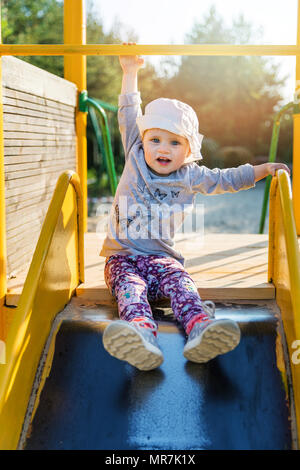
122 341
217 338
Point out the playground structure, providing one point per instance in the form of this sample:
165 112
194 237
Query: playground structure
54 311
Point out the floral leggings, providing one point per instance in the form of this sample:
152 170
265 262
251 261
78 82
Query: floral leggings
135 279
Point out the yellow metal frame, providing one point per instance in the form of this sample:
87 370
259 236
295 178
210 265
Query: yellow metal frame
57 268
284 270
2 212
146 49
75 71
75 51
296 138
57 265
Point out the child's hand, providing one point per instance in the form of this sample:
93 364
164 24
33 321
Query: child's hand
266 169
273 167
130 63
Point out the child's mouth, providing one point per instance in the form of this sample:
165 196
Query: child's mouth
163 161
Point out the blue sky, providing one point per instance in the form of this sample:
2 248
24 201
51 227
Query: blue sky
167 21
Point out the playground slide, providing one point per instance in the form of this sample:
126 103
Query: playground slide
94 401
61 390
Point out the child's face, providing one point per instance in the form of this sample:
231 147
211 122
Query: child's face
165 152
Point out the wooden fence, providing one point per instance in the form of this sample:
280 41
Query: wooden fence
39 144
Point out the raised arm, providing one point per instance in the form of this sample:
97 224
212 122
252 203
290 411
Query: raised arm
129 101
130 65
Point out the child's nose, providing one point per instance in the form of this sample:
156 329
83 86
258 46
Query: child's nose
163 148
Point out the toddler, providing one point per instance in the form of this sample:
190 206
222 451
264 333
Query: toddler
156 190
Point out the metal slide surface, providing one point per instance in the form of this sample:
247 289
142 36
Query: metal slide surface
93 401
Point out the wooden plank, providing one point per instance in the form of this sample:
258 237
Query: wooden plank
217 248
36 191
45 160
20 241
23 170
34 225
33 187
31 100
19 223
42 113
101 295
22 76
25 117
13 178
43 178
38 142
17 204
34 98
18 236
19 215
45 114
19 264
227 266
39 152
14 121
24 105
30 225
36 188
33 130
37 196
10 141
25 108
31 135
16 270
26 245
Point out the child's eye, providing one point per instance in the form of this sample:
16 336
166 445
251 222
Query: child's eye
175 142
155 140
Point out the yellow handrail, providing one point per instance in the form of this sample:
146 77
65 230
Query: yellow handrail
284 272
291 241
3 254
45 238
57 268
150 49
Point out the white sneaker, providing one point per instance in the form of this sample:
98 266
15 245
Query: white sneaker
132 343
211 337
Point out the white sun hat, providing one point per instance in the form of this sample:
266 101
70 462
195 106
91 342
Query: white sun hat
173 116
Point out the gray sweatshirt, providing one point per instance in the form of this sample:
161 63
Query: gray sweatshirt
148 209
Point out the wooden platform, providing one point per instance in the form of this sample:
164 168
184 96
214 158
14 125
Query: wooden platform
225 267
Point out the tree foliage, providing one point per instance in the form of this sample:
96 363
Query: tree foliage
34 22
235 97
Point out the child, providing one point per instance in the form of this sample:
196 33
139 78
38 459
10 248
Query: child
159 182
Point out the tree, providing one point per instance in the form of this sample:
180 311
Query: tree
41 22
34 22
234 97
104 74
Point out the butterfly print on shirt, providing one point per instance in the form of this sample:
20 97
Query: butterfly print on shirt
175 194
160 195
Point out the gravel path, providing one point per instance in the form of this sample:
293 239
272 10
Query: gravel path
234 212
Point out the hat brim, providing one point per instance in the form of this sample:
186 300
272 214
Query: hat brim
155 121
